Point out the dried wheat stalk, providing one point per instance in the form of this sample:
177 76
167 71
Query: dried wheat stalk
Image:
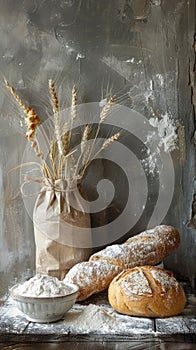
67 135
85 138
73 113
53 94
108 142
52 156
106 109
62 161
17 98
57 123
74 103
103 116
32 120
85 161
65 142
105 145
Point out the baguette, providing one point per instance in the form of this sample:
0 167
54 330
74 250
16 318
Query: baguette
146 248
91 277
146 291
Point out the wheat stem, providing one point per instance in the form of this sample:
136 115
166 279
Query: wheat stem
69 133
54 97
65 142
52 156
84 140
105 145
85 160
74 103
32 120
57 125
60 146
73 110
108 143
103 116
39 154
17 98
85 137
106 108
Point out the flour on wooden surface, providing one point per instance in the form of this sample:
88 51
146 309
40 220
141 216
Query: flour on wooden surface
95 319
104 320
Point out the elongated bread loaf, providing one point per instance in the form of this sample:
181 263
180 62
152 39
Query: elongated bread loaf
91 277
146 248
146 291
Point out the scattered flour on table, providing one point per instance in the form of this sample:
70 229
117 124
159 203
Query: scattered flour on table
43 286
103 320
85 319
93 317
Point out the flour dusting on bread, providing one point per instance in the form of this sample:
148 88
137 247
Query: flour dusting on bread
91 276
116 254
147 291
164 279
147 248
135 283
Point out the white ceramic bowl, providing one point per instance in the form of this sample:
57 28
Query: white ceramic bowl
45 309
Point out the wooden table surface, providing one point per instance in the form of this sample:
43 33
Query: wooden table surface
177 333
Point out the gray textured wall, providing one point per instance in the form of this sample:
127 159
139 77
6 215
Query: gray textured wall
139 47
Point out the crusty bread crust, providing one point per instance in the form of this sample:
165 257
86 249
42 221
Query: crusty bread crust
146 248
91 277
146 291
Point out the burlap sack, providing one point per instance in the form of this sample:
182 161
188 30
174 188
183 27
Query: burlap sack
62 228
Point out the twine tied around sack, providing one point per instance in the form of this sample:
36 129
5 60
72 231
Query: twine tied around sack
64 187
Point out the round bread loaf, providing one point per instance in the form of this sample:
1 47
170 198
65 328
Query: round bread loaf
146 291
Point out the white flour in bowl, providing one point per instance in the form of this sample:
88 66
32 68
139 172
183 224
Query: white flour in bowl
43 286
